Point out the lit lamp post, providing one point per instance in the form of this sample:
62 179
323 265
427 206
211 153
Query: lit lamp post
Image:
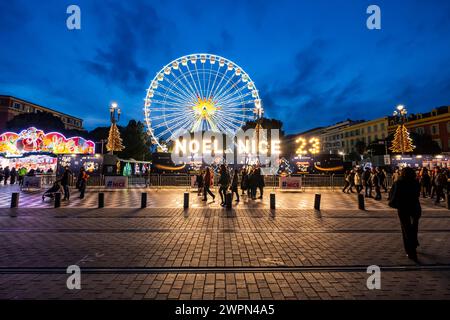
114 110
114 140
402 142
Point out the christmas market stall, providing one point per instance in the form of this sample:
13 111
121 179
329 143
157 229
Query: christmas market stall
38 154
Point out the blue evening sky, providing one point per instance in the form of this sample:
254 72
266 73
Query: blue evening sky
314 62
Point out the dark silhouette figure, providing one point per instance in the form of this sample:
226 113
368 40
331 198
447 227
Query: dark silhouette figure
405 198
224 183
208 182
234 185
65 180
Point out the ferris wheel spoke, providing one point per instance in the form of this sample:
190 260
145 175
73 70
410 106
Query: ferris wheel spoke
209 80
171 103
223 76
183 94
170 115
175 128
228 90
215 80
193 81
199 81
233 96
180 98
192 91
218 91
237 106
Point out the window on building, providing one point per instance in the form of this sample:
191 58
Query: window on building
420 130
434 129
438 141
17 105
375 128
369 129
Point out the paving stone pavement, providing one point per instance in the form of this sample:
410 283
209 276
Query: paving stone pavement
173 198
211 253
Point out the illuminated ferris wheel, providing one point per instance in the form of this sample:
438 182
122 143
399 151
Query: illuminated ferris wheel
199 92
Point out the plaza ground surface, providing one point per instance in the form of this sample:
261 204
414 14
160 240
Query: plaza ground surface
206 252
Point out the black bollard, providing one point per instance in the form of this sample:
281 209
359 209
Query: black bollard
14 200
144 200
186 200
317 201
57 199
101 200
272 200
228 200
361 205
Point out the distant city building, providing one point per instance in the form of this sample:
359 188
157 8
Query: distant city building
435 123
332 137
366 131
12 106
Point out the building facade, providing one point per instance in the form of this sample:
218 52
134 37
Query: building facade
367 132
12 106
332 137
435 123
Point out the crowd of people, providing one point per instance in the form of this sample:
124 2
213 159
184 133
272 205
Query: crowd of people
12 175
372 181
250 180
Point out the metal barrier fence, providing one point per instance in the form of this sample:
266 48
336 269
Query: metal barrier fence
185 180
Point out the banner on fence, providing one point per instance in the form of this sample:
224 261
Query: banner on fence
32 182
116 182
289 182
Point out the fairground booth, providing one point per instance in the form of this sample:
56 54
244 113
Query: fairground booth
46 153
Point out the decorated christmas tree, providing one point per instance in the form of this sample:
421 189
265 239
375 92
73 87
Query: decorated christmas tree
402 141
114 139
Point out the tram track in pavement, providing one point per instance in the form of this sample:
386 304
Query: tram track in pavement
267 269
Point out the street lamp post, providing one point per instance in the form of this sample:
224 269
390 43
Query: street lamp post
114 112
400 112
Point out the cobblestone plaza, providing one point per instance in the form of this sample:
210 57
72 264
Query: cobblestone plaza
207 252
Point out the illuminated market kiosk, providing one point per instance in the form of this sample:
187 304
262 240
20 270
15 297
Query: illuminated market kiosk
47 153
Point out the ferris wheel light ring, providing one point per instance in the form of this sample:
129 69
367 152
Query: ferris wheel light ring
186 66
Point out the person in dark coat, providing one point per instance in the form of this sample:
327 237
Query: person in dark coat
224 183
260 183
65 181
234 185
13 175
199 181
366 177
252 184
6 174
405 198
244 181
207 183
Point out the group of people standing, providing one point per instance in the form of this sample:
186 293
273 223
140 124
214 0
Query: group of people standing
13 175
369 180
64 183
250 181
432 183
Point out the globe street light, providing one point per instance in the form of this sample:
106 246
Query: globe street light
114 110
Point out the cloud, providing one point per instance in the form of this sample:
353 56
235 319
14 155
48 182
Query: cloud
134 29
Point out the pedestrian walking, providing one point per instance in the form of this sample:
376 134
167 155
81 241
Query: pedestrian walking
208 181
346 181
425 182
375 180
366 177
358 181
83 178
244 181
224 183
199 182
65 181
260 183
405 198
234 185
13 175
6 173
440 181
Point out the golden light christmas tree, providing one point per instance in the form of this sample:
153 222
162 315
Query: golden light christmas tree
402 142
114 139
